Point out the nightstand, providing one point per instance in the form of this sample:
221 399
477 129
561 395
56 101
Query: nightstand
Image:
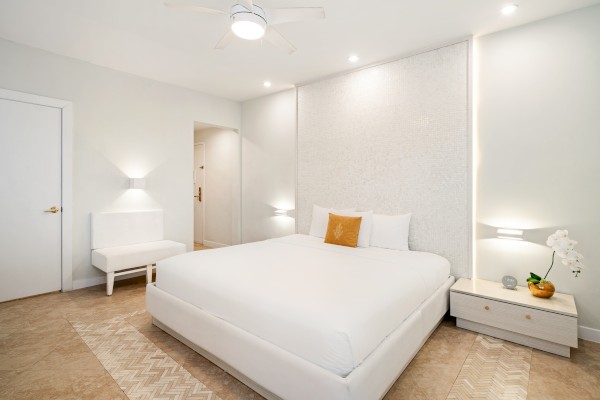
515 315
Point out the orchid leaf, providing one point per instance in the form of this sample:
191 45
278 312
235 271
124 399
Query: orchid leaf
539 278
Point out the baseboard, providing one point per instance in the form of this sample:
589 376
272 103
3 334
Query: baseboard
214 245
591 334
101 280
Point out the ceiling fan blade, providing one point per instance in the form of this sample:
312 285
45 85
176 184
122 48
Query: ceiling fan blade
248 4
283 15
273 36
189 7
225 40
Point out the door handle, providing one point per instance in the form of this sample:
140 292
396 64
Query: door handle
199 196
53 210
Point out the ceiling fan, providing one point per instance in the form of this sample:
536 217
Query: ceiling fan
251 22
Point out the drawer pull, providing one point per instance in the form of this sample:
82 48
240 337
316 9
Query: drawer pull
527 316
486 308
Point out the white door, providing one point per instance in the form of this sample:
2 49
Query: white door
199 193
30 176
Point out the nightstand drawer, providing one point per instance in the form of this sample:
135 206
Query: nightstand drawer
540 324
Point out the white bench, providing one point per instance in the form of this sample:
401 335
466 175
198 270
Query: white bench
128 242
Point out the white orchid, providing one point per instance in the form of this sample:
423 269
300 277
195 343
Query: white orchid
564 247
572 255
560 241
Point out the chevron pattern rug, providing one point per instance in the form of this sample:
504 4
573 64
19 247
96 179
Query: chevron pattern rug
142 370
494 370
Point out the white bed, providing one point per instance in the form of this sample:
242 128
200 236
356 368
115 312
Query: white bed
296 318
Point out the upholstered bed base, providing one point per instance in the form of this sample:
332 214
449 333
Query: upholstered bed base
277 374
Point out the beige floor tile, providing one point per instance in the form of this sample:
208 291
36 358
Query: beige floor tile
449 332
7 390
578 363
579 374
435 381
405 388
439 349
588 353
107 307
7 379
41 356
46 316
58 384
434 369
427 380
72 355
11 318
545 385
20 350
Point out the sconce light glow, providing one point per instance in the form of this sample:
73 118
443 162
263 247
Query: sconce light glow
353 58
137 183
510 234
517 232
509 9
267 84
281 213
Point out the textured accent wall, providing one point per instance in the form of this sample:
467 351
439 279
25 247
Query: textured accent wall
393 138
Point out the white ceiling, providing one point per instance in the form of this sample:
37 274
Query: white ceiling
145 38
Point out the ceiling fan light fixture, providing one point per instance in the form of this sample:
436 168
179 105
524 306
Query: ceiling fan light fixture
509 9
249 25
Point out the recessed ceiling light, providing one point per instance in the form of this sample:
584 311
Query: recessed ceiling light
353 58
509 9
267 83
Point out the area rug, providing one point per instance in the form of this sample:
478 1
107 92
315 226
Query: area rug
142 370
494 369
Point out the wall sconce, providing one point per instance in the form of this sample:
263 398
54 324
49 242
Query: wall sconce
281 213
137 183
510 234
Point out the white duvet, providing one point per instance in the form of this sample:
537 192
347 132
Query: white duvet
328 304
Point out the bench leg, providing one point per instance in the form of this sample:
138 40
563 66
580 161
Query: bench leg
110 281
149 274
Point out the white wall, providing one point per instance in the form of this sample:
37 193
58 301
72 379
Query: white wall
539 143
222 188
123 126
268 165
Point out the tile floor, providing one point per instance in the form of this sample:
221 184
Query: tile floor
42 357
199 246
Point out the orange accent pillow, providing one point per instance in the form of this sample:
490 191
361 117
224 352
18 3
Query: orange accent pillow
343 230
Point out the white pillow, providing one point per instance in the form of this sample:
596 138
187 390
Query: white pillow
390 231
366 225
320 219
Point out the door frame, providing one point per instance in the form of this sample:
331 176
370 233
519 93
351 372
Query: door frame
66 216
203 189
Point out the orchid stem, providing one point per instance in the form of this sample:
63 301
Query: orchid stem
551 265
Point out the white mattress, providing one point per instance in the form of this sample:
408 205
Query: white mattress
330 305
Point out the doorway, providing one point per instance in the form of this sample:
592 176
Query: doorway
35 169
217 186
199 188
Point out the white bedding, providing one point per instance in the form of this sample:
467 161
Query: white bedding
330 305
